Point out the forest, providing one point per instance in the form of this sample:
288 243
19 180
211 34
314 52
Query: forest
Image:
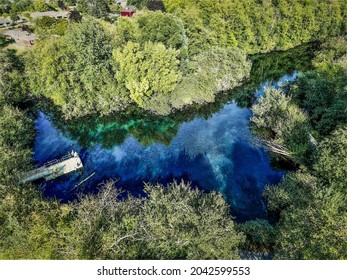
184 56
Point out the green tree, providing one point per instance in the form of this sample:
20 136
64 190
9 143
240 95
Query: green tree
282 126
317 231
126 29
16 136
330 61
155 5
258 26
331 50
96 8
225 67
311 207
331 168
29 224
148 72
76 71
3 41
192 18
184 223
48 25
295 190
61 4
312 221
41 6
21 6
260 236
159 27
14 17
172 222
13 84
323 99
216 70
105 227
75 16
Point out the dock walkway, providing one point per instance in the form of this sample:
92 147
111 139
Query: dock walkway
55 168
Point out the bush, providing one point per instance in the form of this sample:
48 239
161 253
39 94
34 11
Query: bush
282 126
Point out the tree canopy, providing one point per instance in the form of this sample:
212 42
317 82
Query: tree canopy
313 217
96 67
283 127
96 8
76 71
13 84
172 222
154 70
258 26
310 203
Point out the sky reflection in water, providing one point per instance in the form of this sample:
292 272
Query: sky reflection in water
215 154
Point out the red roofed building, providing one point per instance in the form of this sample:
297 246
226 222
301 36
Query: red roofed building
127 13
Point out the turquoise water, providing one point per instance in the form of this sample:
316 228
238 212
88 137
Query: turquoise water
217 153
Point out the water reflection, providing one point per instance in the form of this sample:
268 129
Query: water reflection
148 129
217 153
210 146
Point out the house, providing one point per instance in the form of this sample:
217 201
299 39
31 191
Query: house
127 13
20 36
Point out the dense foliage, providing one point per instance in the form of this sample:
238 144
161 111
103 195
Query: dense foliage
260 236
76 70
14 8
283 127
207 31
323 93
13 86
322 98
172 222
27 224
317 200
100 68
50 26
311 203
331 168
113 129
258 26
216 70
16 129
16 134
96 8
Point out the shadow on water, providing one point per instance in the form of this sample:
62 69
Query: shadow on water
209 145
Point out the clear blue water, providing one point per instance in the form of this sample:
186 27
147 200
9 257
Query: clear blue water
214 154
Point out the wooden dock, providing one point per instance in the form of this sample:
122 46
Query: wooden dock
54 169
